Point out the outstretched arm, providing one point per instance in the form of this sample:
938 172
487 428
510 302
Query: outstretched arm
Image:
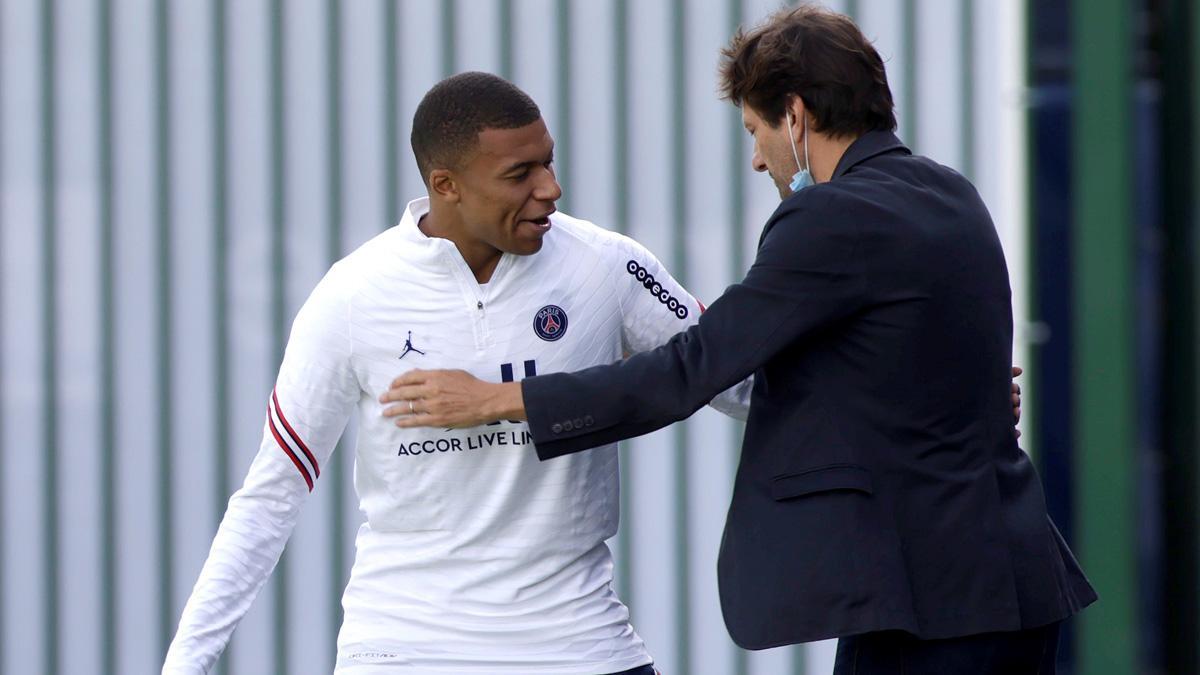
455 398
805 277
306 413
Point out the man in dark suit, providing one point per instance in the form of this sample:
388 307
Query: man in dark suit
881 496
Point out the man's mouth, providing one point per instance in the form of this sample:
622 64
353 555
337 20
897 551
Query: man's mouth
540 222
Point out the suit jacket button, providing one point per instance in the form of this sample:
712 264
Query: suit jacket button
556 428
578 423
567 426
588 421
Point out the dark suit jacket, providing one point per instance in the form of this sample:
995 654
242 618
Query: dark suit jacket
880 483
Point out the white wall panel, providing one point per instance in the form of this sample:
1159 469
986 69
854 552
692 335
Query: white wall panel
22 341
252 370
77 278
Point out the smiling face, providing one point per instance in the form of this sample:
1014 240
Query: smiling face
772 149
506 189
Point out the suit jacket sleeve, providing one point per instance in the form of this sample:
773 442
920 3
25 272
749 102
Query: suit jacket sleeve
806 276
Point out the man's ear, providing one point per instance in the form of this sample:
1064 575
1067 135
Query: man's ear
799 110
444 186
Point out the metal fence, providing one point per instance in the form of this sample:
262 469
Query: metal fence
177 175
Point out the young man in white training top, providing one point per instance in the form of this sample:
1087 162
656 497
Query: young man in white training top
475 557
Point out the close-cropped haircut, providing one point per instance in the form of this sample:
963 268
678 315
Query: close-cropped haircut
448 120
818 55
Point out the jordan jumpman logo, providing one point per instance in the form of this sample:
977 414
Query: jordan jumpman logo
408 347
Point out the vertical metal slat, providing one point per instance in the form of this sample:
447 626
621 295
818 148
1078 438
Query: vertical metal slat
966 50
620 19
679 196
220 277
449 38
391 134
737 249
3 335
279 631
506 39
908 115
562 133
333 242
49 325
107 431
162 201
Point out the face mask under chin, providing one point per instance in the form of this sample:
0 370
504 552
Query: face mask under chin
803 177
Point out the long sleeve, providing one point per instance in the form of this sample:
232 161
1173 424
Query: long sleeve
805 278
306 413
655 307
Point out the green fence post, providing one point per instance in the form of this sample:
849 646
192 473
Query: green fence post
1103 319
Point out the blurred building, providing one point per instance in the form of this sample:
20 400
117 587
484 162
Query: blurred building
1113 203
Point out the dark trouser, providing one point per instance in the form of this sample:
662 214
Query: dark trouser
640 670
1023 652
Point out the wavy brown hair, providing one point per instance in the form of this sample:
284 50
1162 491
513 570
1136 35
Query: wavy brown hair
816 54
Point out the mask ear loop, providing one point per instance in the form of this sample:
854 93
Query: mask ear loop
792 138
807 162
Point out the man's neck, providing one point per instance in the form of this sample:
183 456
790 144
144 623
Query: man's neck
825 152
480 257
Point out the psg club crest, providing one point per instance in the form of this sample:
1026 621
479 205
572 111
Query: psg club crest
550 323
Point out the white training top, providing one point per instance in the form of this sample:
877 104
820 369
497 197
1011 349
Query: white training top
475 557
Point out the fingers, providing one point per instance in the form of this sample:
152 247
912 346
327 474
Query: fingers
1016 393
412 377
408 408
411 409
429 398
418 376
406 392
409 399
1016 400
413 385
421 420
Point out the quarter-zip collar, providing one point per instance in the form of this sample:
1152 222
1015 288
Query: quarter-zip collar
443 254
437 249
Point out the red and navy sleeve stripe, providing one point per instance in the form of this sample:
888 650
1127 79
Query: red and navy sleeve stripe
290 442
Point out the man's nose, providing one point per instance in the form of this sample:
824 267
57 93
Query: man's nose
756 161
548 189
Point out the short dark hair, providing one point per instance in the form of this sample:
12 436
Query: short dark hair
819 55
448 120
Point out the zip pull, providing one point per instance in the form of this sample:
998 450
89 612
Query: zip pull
479 305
